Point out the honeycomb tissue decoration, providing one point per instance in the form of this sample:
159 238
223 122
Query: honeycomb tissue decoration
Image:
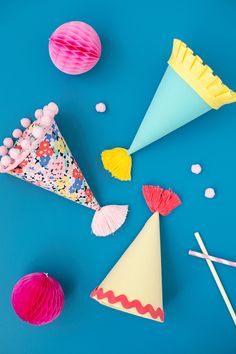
37 298
75 47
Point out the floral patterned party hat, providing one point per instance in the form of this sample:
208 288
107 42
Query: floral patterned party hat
41 156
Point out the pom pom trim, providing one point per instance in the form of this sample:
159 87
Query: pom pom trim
28 135
160 200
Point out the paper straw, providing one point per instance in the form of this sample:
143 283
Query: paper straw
212 258
216 277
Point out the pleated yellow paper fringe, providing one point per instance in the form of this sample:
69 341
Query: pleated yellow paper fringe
199 76
118 162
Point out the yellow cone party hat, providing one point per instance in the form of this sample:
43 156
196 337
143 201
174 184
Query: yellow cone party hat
187 90
134 285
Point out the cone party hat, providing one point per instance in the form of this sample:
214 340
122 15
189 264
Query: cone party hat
187 90
134 285
41 157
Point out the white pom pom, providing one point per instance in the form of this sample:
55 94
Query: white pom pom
38 132
8 142
54 107
17 133
101 107
25 122
3 151
38 113
46 120
14 153
48 112
6 160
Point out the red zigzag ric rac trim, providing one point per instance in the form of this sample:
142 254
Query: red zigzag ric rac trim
112 299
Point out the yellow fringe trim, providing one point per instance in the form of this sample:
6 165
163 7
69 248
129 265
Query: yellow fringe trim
199 76
118 162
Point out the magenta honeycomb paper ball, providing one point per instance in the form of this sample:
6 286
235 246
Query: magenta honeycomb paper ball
75 47
38 298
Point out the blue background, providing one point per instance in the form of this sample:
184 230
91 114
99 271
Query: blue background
41 232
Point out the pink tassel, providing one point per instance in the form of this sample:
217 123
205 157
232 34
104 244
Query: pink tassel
161 200
108 219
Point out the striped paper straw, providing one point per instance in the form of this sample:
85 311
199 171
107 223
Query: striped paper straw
212 258
216 277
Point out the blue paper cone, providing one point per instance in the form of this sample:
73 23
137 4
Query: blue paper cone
174 104
188 89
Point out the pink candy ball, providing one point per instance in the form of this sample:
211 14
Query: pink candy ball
38 299
3 150
25 122
5 160
75 47
101 107
8 142
17 133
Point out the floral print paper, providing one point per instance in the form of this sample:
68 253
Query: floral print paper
52 167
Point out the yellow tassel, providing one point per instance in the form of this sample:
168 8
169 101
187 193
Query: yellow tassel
118 162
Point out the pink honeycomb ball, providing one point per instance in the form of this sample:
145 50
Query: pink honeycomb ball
38 299
75 47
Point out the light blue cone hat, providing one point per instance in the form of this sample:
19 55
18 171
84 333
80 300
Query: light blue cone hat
174 104
187 90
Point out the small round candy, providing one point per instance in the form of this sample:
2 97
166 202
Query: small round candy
3 150
196 169
8 142
25 122
17 133
101 107
54 107
6 160
14 153
38 132
38 113
210 193
25 144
